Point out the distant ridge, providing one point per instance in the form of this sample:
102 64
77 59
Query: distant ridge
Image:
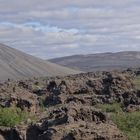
15 64
101 61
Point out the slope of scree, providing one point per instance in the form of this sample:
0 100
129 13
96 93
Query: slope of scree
69 106
17 65
103 61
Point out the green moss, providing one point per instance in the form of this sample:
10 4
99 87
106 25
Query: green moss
12 116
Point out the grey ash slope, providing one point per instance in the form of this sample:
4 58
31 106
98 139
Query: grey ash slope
103 61
15 64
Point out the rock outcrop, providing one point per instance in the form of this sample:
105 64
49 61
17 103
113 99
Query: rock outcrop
12 95
70 106
75 123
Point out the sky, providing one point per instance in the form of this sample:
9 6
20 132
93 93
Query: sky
56 28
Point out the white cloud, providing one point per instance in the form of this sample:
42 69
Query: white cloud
53 28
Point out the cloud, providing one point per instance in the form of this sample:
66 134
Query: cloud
55 28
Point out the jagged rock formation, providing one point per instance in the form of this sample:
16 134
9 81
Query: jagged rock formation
93 88
75 122
12 95
70 103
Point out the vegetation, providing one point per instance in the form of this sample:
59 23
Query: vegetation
42 104
129 123
12 116
114 108
137 82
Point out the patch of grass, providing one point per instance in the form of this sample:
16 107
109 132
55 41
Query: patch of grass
110 108
137 82
37 86
42 105
128 123
12 116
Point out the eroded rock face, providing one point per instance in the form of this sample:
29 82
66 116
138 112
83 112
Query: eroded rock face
90 89
70 103
18 97
9 134
75 123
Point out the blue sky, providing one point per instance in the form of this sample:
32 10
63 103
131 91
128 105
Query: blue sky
56 28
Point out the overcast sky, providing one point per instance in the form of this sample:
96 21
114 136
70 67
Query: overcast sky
55 28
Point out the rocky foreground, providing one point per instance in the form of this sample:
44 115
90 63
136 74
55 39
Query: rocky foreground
65 107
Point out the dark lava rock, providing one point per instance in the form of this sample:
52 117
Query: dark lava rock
70 103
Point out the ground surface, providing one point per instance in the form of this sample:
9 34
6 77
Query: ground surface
90 106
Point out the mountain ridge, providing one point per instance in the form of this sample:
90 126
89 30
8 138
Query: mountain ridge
100 61
15 64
